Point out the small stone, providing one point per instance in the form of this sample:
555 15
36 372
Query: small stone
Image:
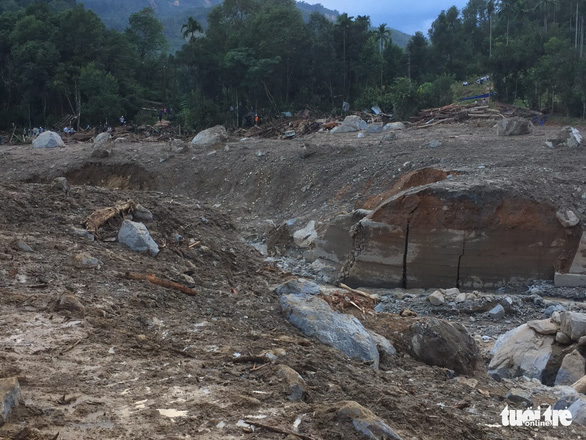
452 292
498 312
567 218
548 313
24 247
517 395
436 298
460 298
61 184
365 421
9 397
142 214
84 233
85 261
70 303
141 338
562 338
581 341
434 144
296 389
573 324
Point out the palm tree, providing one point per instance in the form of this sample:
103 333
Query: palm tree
545 5
382 36
344 22
190 28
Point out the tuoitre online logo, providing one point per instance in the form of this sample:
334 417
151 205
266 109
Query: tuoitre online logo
534 417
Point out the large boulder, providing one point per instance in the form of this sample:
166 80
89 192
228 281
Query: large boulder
314 317
520 352
211 136
351 123
513 127
567 137
572 370
392 126
573 324
48 139
136 236
444 344
305 237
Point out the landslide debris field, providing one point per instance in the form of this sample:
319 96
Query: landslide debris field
102 353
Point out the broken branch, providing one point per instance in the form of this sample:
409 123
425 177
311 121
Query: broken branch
280 430
96 219
160 282
359 292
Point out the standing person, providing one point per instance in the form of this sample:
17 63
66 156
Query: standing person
122 120
160 115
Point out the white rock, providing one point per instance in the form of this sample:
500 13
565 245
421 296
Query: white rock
436 298
305 237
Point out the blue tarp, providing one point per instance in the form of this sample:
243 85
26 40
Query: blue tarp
476 97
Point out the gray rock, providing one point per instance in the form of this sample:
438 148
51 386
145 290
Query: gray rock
581 341
567 218
211 136
573 369
297 287
179 146
578 411
314 317
562 338
366 422
142 214
102 138
513 127
48 139
385 347
389 137
567 137
444 344
136 236
391 126
544 326
61 184
434 144
350 124
68 302
520 352
84 233
295 386
305 237
83 260
573 324
436 298
497 312
102 150
517 395
374 128
9 397
24 247
551 309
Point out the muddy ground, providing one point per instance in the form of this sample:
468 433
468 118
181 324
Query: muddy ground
101 356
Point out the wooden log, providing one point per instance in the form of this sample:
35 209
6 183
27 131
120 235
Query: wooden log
160 282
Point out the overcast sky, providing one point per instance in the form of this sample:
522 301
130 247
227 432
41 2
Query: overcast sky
408 16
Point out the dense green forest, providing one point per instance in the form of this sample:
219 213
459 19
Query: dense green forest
57 58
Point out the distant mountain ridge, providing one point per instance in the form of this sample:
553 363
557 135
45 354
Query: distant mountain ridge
173 13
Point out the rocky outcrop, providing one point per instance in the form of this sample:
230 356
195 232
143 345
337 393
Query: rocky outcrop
451 234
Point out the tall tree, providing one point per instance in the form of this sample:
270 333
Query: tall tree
190 28
145 31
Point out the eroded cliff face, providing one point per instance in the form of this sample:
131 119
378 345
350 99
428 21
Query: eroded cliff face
450 234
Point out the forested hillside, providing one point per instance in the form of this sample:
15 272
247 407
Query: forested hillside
56 59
